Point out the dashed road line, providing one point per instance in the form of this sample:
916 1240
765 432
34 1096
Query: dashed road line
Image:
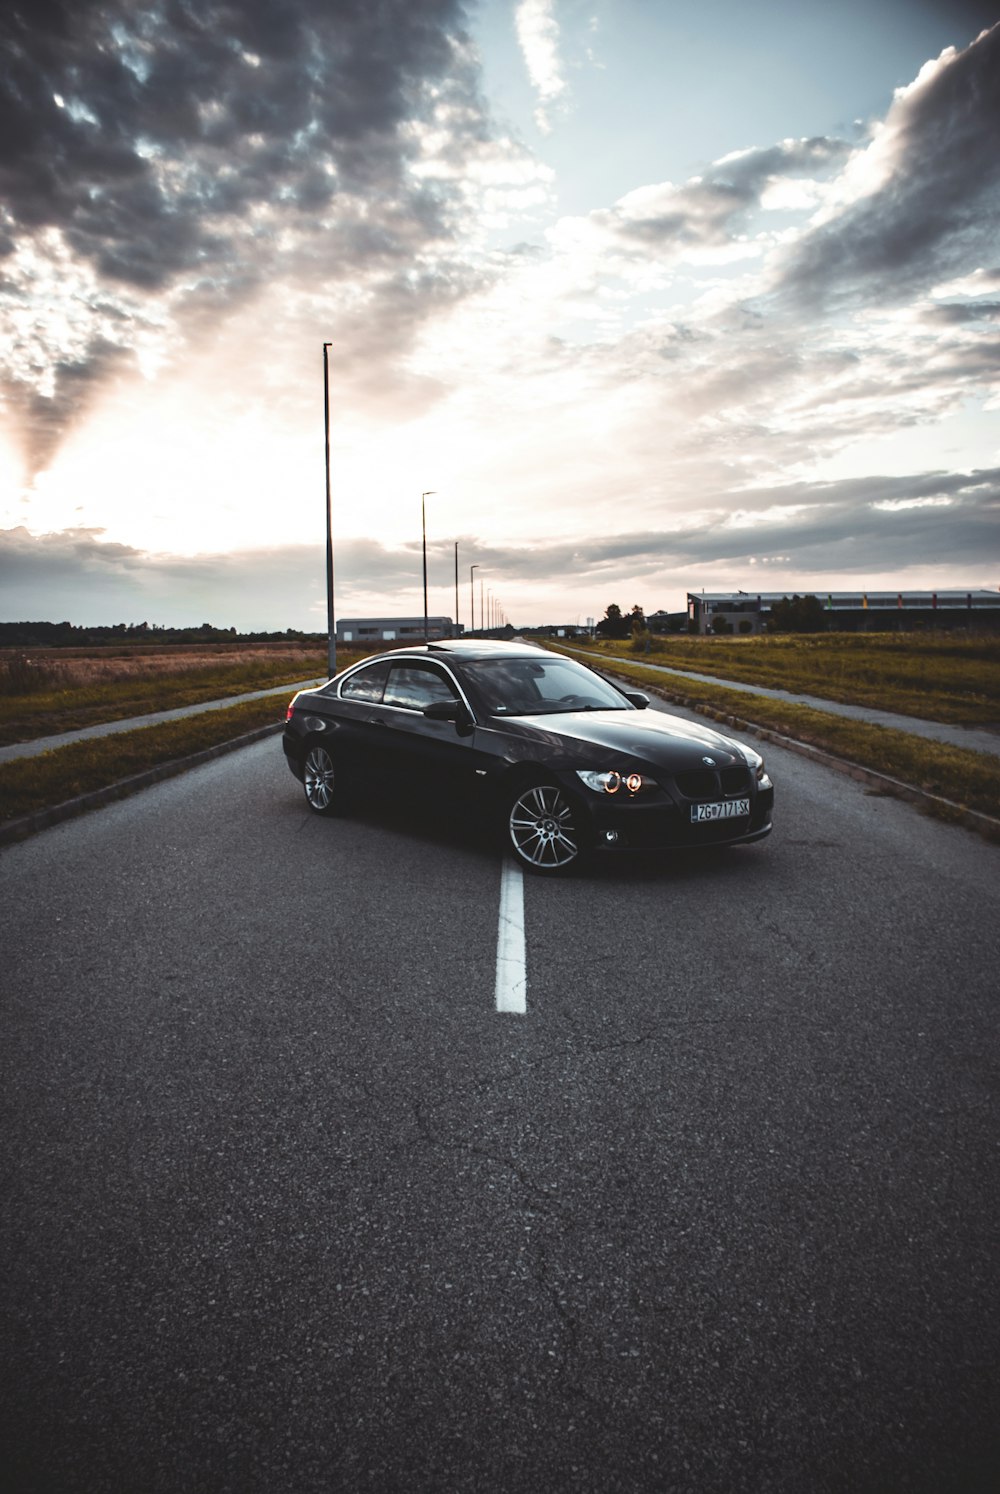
512 977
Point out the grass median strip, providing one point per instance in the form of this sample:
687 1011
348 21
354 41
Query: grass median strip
969 779
942 676
25 717
31 784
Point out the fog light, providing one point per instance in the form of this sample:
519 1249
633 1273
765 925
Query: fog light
611 836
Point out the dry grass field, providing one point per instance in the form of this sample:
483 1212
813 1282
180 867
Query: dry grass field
46 691
946 676
38 671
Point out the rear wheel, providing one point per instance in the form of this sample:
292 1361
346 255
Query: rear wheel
319 781
541 829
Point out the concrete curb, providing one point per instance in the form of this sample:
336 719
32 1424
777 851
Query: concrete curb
41 819
14 751
948 810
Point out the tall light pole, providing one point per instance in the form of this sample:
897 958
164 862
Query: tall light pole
472 598
331 636
423 527
456 588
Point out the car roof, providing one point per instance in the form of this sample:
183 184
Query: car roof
466 650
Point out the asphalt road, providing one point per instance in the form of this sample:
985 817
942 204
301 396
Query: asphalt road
288 1205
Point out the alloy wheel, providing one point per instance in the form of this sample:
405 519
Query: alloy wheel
541 829
318 780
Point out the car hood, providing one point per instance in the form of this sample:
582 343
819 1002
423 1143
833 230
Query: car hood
659 738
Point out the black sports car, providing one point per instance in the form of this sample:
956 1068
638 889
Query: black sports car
566 761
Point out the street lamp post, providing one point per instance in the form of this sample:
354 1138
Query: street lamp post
331 636
472 598
423 527
456 588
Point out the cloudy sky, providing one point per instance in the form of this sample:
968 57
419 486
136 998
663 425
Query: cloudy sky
654 297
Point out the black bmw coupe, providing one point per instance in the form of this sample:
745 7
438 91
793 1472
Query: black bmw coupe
565 761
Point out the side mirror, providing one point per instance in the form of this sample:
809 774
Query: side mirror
636 698
445 710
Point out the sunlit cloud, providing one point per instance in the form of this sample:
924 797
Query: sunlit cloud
785 357
538 35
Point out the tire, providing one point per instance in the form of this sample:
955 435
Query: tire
541 830
319 780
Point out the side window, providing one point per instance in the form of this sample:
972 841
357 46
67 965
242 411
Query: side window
366 683
414 686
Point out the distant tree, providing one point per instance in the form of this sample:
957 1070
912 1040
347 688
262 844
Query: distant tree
637 619
613 625
721 625
800 615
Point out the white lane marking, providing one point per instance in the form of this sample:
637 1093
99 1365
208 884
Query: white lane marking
512 978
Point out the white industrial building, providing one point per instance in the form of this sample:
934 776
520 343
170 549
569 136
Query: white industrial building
394 629
847 611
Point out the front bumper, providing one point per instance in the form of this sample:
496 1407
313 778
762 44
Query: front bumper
659 822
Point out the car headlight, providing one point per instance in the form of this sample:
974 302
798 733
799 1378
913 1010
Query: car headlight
613 782
756 765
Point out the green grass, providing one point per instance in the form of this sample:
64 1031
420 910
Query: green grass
32 783
938 676
969 779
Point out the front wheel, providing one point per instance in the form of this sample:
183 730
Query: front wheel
541 829
319 781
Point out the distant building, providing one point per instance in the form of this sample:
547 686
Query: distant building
666 622
848 611
561 630
394 629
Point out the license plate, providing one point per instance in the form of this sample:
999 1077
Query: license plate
729 809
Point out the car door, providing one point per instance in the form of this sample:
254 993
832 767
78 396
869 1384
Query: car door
423 755
353 723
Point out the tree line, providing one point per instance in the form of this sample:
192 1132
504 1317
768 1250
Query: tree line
791 615
71 635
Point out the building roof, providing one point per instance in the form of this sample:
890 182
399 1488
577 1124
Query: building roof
980 596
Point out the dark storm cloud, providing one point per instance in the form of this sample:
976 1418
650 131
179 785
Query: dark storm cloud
859 525
244 102
937 209
708 210
189 154
960 313
46 418
47 559
863 526
77 576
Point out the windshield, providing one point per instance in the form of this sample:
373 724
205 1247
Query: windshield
533 687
